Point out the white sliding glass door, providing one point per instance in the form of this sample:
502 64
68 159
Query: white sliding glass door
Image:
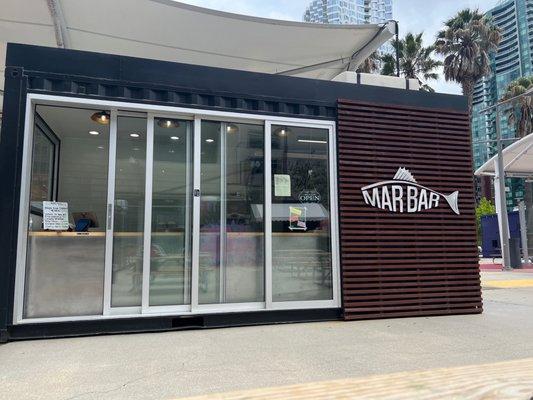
231 265
177 212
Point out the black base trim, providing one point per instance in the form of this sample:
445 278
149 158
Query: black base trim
167 323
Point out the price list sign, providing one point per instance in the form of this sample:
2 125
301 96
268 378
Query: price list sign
55 216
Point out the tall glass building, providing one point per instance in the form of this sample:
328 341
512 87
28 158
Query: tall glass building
349 11
512 60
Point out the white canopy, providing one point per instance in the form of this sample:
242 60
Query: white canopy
173 31
517 160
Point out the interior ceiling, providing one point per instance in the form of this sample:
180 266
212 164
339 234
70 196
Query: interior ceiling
71 122
173 31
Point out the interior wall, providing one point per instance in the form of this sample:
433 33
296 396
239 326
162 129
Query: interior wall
83 177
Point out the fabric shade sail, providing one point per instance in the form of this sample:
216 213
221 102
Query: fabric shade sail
517 160
172 31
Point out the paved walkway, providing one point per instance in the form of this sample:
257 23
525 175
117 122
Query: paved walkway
506 380
188 363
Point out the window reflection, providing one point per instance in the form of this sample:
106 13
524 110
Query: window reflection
231 221
128 223
170 267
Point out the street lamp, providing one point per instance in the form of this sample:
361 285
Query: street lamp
506 257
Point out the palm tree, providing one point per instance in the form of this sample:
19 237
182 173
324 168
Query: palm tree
521 116
416 61
370 65
466 43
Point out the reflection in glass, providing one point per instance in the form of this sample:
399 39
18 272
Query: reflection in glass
170 259
65 269
301 237
231 213
128 225
42 166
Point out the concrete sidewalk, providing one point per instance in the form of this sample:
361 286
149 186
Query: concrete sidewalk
175 364
502 381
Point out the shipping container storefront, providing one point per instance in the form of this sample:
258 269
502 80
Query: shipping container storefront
145 195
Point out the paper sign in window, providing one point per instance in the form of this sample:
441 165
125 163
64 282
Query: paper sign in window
282 185
297 218
55 215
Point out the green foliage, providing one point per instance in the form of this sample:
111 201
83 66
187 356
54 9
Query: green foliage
521 114
466 42
416 61
370 65
485 207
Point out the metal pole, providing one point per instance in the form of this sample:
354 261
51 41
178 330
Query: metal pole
523 231
506 259
397 49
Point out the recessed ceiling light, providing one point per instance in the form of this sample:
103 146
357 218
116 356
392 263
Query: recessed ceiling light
94 133
209 140
175 137
134 135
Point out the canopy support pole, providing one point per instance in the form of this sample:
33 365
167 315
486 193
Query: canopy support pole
501 208
523 231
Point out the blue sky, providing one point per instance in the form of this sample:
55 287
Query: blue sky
414 15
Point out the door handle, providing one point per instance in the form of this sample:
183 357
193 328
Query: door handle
196 193
109 216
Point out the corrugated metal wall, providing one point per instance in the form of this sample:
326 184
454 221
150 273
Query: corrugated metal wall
400 264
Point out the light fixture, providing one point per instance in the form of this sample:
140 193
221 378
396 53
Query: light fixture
100 147
175 137
232 129
134 135
168 123
312 141
282 131
102 117
209 140
135 149
94 133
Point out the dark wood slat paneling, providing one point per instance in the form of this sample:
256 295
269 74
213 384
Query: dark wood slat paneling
401 265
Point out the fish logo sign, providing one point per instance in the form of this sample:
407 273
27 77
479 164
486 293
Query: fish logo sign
403 194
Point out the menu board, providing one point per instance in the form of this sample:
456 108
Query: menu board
55 216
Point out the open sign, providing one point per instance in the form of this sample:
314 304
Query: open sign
309 196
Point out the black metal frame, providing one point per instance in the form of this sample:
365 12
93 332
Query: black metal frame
33 69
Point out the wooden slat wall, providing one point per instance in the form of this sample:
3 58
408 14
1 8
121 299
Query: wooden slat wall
399 265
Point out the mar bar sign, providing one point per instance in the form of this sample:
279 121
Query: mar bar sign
403 194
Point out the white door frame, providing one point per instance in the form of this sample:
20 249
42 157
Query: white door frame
195 115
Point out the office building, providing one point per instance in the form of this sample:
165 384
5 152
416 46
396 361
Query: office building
349 11
512 60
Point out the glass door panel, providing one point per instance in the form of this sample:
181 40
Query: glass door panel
170 249
301 223
64 275
128 225
231 260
